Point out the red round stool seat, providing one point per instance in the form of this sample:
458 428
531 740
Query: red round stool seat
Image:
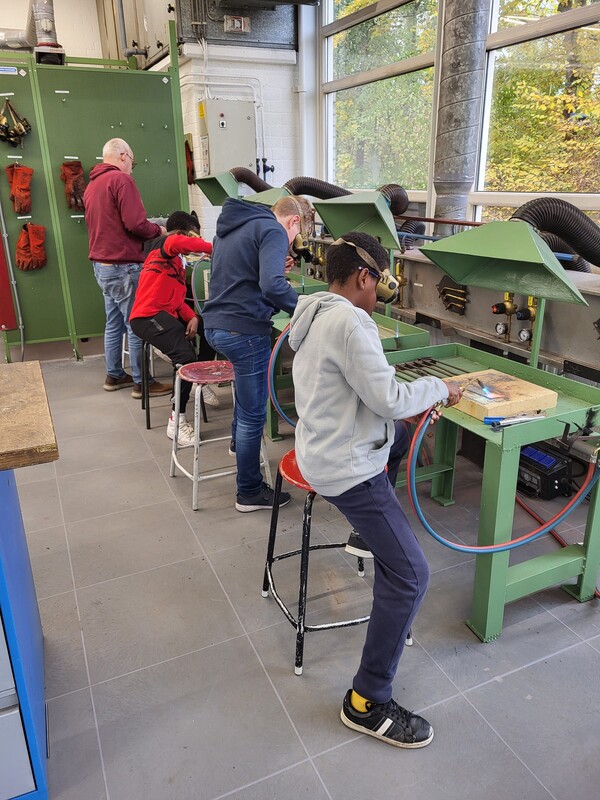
207 372
288 466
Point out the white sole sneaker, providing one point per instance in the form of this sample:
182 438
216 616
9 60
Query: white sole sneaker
186 433
210 398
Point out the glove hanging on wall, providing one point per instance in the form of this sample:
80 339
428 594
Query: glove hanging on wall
37 237
71 172
23 252
189 163
30 253
19 178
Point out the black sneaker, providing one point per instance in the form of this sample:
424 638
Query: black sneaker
389 722
232 448
261 501
356 546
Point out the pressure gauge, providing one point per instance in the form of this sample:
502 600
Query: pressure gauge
524 335
501 328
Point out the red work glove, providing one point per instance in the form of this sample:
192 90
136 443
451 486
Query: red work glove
21 189
37 236
19 178
71 173
23 252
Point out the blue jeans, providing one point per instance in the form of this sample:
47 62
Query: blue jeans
119 283
401 572
249 355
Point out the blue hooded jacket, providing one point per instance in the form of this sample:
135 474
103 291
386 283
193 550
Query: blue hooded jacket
247 281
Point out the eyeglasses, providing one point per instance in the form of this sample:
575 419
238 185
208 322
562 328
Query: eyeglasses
133 163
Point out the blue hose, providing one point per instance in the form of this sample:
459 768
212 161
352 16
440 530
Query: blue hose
411 470
272 394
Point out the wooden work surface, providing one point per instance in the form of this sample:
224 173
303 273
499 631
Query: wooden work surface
518 396
26 430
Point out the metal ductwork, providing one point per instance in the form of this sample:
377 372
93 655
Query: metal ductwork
40 30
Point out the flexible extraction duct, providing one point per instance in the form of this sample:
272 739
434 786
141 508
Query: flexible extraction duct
315 188
413 226
396 197
40 30
251 179
558 245
565 220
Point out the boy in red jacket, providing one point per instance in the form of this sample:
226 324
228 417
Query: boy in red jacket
160 314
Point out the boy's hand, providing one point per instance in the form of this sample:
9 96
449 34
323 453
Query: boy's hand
191 328
455 392
289 263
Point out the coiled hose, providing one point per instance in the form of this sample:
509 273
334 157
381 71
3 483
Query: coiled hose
565 220
591 479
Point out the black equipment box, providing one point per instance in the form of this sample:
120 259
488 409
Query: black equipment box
544 473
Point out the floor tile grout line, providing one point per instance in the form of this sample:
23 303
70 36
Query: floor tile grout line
260 780
138 460
85 657
139 572
510 749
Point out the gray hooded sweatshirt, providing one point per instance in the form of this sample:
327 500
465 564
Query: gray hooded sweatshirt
346 394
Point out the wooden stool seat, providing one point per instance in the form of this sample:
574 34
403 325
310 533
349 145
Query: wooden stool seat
207 372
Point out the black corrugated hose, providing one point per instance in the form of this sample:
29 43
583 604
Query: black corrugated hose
314 188
558 245
396 197
565 220
245 175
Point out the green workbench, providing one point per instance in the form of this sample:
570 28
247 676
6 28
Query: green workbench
496 583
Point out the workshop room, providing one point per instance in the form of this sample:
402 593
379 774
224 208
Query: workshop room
299 399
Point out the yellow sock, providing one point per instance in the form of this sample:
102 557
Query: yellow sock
357 702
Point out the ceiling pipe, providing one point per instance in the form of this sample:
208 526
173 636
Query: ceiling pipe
40 29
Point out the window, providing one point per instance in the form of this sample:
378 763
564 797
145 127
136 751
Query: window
514 13
401 33
545 115
382 132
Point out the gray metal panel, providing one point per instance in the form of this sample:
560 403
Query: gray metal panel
231 129
7 682
16 776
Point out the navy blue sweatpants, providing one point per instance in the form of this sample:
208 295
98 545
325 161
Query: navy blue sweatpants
401 572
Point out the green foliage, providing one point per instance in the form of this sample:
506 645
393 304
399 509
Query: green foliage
545 119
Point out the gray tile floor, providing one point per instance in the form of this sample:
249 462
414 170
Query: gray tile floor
169 676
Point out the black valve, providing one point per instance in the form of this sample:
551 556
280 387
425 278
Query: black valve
499 308
524 314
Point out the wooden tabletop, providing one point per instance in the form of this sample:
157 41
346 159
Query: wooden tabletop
26 430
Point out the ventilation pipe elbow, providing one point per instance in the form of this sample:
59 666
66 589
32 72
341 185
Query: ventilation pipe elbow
556 216
396 196
251 179
558 245
314 188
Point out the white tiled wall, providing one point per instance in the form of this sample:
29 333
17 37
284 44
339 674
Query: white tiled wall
267 76
76 24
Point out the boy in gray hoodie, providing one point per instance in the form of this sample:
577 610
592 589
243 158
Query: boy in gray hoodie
350 408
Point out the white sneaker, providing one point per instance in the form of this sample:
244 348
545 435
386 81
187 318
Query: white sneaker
210 398
186 432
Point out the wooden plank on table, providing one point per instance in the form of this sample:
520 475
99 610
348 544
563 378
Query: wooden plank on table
26 431
518 396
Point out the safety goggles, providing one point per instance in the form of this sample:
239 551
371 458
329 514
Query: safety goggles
387 286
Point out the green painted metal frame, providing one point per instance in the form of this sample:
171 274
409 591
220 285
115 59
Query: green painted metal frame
38 77
496 583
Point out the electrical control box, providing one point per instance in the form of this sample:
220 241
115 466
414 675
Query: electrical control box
544 473
230 129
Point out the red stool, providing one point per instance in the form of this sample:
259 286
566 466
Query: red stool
288 469
204 373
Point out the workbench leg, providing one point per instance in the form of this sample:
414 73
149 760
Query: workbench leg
586 584
498 491
446 443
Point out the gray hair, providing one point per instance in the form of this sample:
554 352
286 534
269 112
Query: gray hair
114 147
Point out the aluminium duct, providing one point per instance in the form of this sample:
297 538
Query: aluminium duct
460 105
40 30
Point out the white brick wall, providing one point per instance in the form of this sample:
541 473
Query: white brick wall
244 73
76 24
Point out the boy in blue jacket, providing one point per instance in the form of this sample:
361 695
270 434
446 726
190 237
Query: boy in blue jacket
247 286
350 408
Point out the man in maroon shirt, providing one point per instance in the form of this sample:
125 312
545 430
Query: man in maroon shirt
117 229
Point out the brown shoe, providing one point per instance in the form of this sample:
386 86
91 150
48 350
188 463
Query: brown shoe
156 389
112 384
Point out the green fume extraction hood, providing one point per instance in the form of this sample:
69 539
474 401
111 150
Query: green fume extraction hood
219 187
267 198
507 256
363 211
